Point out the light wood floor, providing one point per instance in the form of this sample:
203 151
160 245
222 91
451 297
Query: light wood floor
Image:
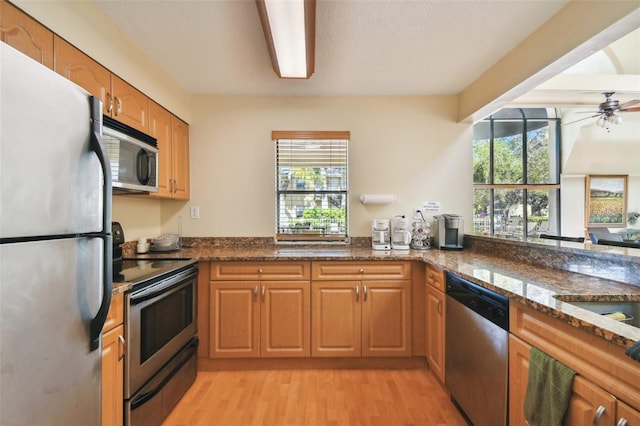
311 397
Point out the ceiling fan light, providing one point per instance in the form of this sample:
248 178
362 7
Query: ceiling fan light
615 119
601 121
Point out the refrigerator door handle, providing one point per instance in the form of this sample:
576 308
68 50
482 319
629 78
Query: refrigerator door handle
95 328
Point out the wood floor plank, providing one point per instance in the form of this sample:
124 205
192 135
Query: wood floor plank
315 397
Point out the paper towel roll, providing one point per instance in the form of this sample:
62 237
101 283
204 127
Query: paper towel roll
377 198
620 316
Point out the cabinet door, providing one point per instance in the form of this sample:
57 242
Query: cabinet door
160 128
130 106
336 318
386 318
518 377
74 65
435 313
20 31
624 413
285 319
586 398
113 377
588 404
180 161
234 322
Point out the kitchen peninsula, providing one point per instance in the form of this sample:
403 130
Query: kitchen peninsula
540 312
523 281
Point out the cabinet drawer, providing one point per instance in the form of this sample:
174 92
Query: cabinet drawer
434 277
275 270
360 270
115 316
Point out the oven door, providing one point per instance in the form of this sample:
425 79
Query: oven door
161 320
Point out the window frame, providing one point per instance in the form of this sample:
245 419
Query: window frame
524 187
283 238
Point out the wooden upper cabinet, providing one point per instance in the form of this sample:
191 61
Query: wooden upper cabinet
20 31
130 106
180 157
173 146
120 100
160 128
74 65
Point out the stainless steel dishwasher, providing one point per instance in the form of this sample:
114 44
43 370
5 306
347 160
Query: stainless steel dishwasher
477 354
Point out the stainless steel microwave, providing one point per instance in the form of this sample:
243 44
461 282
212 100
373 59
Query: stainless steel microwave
133 157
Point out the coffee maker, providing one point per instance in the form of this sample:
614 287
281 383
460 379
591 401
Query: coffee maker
380 234
449 232
400 233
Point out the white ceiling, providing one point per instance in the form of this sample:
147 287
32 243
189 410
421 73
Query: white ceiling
363 47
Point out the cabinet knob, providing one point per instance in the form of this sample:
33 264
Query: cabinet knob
259 270
361 271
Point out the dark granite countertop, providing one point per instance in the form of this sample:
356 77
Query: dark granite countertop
540 287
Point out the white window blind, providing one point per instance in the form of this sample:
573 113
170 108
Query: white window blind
312 186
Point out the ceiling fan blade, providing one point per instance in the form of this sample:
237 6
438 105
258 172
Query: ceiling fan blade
582 119
627 105
634 109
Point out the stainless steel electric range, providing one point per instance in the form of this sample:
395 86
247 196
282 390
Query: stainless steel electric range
160 331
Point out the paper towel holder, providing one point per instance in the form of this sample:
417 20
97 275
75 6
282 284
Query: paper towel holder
377 198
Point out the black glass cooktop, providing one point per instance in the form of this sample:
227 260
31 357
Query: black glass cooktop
138 270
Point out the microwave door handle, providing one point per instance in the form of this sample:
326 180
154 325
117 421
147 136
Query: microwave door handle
142 156
95 144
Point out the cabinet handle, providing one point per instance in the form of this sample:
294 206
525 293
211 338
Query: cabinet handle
123 347
263 293
439 306
598 415
255 293
364 293
357 293
110 99
119 105
622 422
361 270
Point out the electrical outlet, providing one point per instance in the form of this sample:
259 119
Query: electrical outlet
416 213
195 212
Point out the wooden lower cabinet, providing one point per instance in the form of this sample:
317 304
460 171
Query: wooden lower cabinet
435 309
259 319
113 351
435 315
361 318
590 404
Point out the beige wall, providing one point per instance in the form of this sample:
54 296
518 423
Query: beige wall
407 146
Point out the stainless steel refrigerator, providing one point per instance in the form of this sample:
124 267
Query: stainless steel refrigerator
55 246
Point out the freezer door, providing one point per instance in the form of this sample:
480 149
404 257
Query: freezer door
50 179
48 374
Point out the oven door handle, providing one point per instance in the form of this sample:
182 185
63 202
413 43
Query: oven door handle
161 287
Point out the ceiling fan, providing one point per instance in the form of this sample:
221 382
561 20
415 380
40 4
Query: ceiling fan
607 111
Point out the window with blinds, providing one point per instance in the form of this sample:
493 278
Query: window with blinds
311 186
